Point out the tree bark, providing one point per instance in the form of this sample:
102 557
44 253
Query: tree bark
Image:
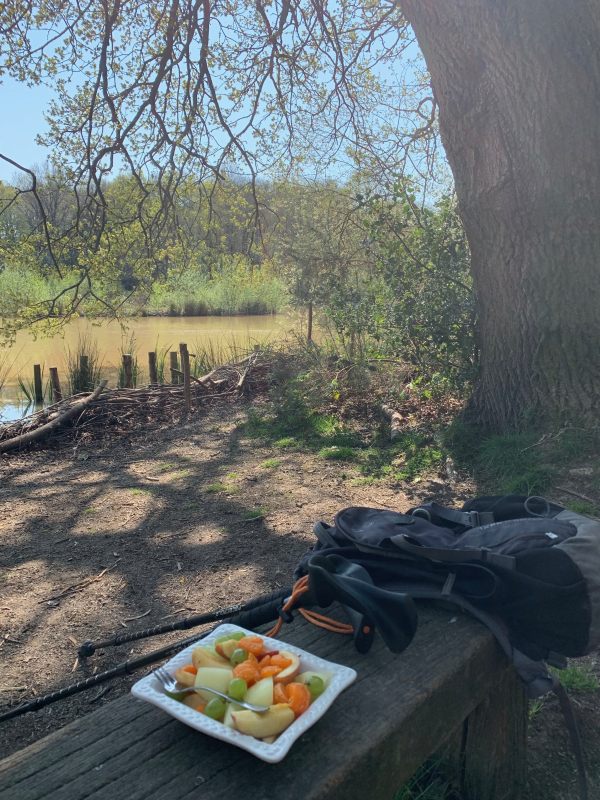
518 89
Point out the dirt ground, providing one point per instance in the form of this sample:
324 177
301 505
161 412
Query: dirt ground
111 536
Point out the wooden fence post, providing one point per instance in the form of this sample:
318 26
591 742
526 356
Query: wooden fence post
84 374
174 367
152 368
38 392
185 368
55 384
127 371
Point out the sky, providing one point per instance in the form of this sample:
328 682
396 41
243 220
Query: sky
22 119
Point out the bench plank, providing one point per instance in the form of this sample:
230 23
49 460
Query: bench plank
400 710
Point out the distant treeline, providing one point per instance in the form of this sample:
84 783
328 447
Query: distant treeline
388 274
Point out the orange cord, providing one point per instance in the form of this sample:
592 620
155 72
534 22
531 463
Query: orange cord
300 588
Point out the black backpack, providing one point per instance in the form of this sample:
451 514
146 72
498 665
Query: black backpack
526 567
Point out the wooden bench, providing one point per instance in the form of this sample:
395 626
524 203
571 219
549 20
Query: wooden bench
451 691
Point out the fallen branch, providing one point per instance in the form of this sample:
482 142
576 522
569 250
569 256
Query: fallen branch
244 375
44 430
206 380
100 694
132 619
77 587
577 494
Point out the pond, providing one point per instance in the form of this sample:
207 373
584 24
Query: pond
220 335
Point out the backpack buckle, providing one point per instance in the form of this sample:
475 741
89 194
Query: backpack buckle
474 519
479 518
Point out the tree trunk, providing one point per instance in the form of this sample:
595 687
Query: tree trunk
518 89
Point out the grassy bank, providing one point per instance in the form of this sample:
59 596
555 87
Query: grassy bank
233 290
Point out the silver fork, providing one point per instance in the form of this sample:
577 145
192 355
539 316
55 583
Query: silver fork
169 684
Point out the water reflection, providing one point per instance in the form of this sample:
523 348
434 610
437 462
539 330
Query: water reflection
12 411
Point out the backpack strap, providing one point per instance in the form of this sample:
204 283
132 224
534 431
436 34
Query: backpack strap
574 735
482 555
324 532
438 515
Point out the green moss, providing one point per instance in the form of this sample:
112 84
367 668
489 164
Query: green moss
286 442
410 457
220 488
528 462
338 453
271 463
254 513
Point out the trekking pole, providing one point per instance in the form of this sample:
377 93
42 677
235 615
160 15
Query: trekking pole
258 611
89 648
125 668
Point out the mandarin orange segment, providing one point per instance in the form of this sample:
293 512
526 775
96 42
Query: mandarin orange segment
298 697
253 644
267 671
279 695
265 661
280 661
190 668
248 672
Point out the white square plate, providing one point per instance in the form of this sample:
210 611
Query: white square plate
150 690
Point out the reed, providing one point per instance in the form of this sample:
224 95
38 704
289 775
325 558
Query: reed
27 390
161 360
207 354
129 346
84 366
6 364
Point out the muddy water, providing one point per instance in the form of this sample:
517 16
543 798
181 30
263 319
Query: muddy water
221 334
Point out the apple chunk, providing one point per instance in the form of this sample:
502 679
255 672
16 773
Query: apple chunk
203 657
228 719
213 678
274 721
194 701
261 694
184 677
289 673
226 648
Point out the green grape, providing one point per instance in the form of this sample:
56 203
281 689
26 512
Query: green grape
238 655
228 636
176 695
215 708
237 689
315 686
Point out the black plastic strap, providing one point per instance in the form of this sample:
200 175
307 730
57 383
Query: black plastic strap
449 584
466 519
574 737
452 556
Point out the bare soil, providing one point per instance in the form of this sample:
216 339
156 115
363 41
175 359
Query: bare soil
116 535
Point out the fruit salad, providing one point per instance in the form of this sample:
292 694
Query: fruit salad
245 668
